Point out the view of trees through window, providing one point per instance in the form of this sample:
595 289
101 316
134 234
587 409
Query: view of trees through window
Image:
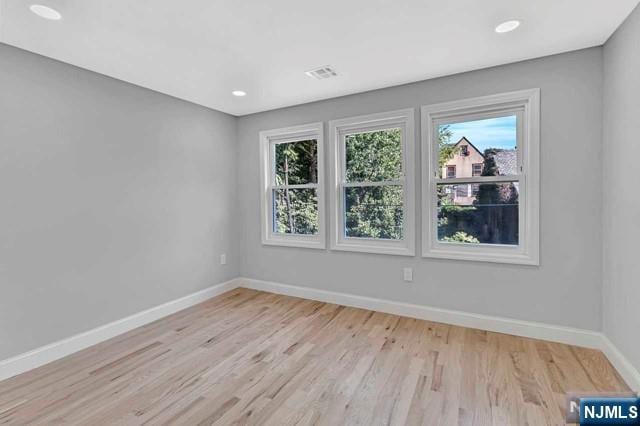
486 212
373 192
295 198
374 211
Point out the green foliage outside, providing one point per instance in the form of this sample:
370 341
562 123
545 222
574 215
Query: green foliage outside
374 156
447 149
377 211
370 211
296 210
374 211
461 237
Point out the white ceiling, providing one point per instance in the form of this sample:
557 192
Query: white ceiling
201 50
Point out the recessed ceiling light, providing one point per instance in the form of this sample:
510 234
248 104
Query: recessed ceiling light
45 12
239 93
508 26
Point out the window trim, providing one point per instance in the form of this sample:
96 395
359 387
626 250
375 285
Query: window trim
527 251
403 119
268 139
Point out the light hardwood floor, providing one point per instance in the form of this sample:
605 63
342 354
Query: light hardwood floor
249 357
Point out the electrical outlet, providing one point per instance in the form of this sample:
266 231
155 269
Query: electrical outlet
408 274
223 259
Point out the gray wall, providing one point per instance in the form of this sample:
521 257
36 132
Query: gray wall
565 289
113 199
116 199
621 143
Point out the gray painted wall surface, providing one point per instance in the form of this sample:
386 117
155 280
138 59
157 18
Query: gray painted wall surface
564 290
621 143
113 199
116 199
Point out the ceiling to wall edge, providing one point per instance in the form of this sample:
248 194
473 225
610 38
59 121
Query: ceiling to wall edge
408 83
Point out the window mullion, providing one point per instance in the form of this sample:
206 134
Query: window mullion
369 184
301 186
479 179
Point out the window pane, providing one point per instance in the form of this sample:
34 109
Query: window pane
479 148
374 156
374 212
451 172
295 211
482 213
296 163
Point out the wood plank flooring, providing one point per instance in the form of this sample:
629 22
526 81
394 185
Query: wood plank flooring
255 358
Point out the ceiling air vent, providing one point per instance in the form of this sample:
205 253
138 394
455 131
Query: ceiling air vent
321 73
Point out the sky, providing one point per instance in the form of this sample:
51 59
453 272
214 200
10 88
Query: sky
491 133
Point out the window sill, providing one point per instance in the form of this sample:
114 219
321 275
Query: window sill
313 243
374 248
508 256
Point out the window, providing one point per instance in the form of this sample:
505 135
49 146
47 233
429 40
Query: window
489 210
464 150
462 191
292 199
451 172
476 171
372 183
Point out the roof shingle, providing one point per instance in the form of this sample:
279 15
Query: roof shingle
507 162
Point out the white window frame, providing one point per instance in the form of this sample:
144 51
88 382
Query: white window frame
403 119
526 105
268 140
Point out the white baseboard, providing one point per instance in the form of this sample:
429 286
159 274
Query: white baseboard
535 330
624 367
572 336
49 353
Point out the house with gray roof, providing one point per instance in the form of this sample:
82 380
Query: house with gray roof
469 161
